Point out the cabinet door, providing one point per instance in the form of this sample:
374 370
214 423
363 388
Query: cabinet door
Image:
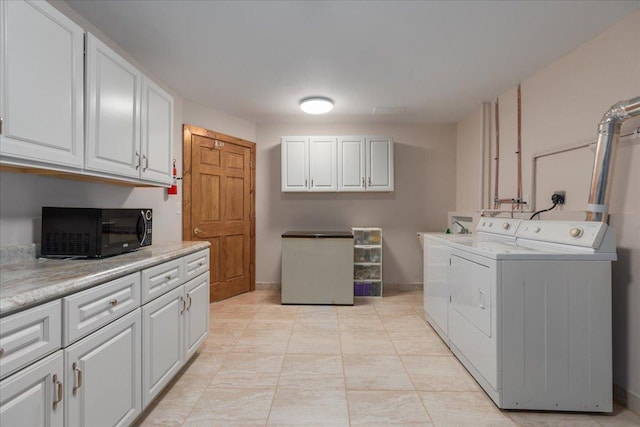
351 158
323 163
197 313
33 396
113 111
379 164
163 337
295 163
103 375
41 85
156 133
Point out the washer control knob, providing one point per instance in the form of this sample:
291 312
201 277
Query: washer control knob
575 232
536 230
506 225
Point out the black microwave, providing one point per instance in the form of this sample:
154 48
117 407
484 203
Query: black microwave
94 232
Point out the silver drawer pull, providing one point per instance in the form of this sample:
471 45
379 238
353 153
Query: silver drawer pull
189 299
184 304
58 391
77 377
113 302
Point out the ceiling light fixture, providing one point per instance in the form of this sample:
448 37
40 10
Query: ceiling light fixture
316 105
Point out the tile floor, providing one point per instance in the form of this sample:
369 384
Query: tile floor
374 364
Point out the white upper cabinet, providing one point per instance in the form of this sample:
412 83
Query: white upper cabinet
113 111
295 163
331 163
157 133
129 119
323 163
365 163
351 168
41 86
379 163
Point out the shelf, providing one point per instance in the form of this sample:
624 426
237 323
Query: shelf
367 262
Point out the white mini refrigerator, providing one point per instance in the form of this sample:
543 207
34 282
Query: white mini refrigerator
317 267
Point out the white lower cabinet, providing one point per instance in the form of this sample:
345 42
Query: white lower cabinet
163 323
174 326
103 375
116 355
33 396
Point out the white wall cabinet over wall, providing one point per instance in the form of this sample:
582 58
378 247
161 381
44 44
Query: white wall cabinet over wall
331 163
45 74
129 118
41 86
365 163
309 163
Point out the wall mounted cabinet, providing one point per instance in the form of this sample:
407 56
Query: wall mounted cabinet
52 80
309 163
365 163
129 118
332 163
41 86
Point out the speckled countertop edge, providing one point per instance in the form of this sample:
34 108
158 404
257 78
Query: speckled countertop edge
27 282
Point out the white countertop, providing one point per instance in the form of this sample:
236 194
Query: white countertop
28 282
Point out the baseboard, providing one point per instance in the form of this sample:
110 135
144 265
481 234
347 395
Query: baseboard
400 287
404 287
626 398
268 286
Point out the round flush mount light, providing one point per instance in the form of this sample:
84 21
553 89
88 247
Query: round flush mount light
316 105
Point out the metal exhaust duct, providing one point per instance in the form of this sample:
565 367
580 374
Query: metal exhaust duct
608 138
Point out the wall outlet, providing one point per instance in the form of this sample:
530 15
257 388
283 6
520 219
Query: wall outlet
178 208
560 196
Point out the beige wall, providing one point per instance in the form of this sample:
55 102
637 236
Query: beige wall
424 192
561 106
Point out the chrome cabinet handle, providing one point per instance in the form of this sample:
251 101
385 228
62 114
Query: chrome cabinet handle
58 391
189 299
312 182
482 299
137 160
369 181
77 377
305 182
184 304
146 162
363 181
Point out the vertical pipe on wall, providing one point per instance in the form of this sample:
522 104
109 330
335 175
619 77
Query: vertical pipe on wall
519 149
496 205
608 138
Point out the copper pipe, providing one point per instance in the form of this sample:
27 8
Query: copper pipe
497 158
519 149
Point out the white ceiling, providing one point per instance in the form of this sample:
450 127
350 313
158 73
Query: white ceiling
439 59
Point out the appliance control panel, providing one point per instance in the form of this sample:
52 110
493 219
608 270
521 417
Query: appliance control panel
500 226
587 234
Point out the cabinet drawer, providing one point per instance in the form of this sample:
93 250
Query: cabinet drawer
162 278
196 264
87 311
29 335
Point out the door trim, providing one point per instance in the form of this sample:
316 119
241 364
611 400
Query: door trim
187 132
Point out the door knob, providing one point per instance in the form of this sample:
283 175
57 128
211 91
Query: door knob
197 231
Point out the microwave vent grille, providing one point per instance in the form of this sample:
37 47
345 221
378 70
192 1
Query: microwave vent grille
66 243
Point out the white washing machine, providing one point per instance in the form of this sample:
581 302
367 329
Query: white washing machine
529 310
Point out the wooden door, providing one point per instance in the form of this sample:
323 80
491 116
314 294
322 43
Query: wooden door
219 206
